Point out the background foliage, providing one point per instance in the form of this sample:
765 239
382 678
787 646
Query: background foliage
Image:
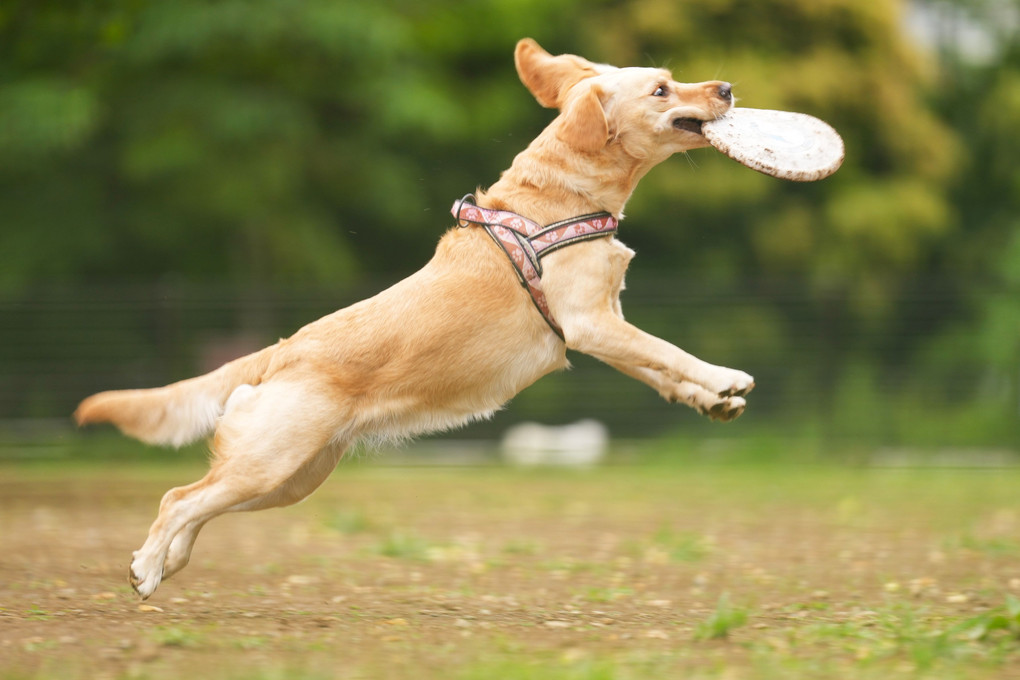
160 149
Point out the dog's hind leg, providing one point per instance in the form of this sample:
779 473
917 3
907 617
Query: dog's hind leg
298 487
179 553
271 453
185 510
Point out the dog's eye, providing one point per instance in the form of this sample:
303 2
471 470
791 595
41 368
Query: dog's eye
660 91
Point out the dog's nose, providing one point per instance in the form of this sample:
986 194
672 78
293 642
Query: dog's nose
725 92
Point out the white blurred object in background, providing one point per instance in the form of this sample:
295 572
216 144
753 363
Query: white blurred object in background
579 444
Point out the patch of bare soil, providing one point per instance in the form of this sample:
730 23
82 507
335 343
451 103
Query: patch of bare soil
425 573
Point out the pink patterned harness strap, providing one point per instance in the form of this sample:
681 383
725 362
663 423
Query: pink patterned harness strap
526 242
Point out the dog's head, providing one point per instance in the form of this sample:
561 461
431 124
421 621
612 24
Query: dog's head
643 110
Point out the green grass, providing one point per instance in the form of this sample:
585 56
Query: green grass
176 636
351 522
524 669
723 621
682 546
607 594
1001 624
403 546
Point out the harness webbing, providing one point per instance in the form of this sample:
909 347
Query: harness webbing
526 242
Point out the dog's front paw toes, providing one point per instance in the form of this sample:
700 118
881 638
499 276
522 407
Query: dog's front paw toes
144 581
727 409
731 384
739 391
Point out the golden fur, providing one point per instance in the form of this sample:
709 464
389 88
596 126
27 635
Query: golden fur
454 341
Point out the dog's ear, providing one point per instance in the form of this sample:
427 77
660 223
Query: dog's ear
583 123
548 77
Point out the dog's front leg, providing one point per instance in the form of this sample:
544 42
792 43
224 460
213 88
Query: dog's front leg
583 285
664 366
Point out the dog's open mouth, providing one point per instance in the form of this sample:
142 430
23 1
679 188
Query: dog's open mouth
688 125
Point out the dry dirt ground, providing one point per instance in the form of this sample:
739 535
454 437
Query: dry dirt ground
620 572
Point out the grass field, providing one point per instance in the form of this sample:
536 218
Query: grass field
623 572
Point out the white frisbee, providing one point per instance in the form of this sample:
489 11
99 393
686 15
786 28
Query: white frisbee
783 144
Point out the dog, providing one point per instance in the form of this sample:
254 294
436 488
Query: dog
457 339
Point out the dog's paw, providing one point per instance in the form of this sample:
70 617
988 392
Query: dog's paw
143 578
706 403
726 409
727 382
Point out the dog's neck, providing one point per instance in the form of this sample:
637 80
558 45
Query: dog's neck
550 182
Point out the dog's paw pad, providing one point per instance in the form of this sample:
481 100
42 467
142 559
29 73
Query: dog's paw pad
727 409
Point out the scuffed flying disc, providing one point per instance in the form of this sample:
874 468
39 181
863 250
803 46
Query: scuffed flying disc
783 144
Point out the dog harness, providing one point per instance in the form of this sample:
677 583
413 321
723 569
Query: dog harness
526 242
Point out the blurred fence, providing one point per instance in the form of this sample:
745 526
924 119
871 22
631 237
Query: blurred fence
819 369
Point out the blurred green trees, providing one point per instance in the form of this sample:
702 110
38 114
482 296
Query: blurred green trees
295 140
321 142
245 140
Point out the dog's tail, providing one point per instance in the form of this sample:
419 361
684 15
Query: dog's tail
177 414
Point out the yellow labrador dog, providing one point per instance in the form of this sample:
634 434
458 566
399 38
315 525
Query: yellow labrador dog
457 339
